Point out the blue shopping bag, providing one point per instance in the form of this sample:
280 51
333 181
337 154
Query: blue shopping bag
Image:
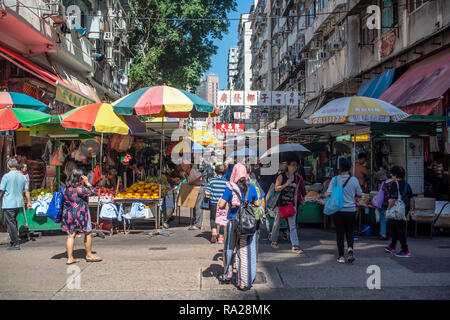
335 202
55 208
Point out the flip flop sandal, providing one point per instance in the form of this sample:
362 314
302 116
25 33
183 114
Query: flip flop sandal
94 260
73 262
297 250
274 245
222 281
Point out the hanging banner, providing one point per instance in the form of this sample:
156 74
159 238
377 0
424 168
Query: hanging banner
257 98
71 98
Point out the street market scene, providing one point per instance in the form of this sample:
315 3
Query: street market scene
225 150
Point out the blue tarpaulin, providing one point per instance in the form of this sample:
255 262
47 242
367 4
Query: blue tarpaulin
375 87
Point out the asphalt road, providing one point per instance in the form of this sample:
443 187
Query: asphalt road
185 265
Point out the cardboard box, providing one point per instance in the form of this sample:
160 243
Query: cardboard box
187 197
424 203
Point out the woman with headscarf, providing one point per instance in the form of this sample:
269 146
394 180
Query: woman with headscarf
245 244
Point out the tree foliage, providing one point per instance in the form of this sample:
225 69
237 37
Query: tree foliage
170 48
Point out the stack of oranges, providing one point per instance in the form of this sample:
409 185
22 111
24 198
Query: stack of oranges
143 190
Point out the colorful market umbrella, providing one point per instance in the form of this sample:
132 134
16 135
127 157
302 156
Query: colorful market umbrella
163 101
357 109
15 118
20 100
99 117
202 137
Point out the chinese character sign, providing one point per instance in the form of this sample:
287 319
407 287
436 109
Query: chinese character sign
237 98
292 98
229 129
237 115
257 98
265 98
278 98
224 98
251 98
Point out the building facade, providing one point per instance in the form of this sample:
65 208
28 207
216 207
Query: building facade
330 48
65 53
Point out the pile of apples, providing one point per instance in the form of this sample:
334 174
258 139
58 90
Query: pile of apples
105 192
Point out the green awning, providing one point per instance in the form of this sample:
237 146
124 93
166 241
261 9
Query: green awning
412 128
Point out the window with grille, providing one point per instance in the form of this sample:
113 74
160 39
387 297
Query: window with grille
415 4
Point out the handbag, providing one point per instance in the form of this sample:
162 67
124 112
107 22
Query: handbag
398 210
205 204
335 202
287 211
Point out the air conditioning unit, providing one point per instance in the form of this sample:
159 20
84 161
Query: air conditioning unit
301 74
108 36
336 45
321 55
306 55
316 44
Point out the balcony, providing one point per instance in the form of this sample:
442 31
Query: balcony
322 19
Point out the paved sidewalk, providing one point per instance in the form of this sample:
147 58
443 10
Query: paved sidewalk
185 266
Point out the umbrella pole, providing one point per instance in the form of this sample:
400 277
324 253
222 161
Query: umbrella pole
158 213
97 230
354 151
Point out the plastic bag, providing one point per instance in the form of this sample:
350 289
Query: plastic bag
55 208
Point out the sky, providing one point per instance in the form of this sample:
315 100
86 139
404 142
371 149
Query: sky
219 61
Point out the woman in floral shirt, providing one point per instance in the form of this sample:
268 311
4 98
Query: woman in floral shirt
76 217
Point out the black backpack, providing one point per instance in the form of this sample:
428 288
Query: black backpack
245 222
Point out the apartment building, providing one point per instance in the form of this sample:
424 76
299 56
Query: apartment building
331 48
64 53
208 90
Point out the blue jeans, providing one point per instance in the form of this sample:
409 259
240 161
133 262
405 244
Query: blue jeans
383 221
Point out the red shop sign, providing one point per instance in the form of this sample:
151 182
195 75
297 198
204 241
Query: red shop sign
229 129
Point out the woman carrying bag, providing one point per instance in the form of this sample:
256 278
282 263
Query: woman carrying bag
344 219
292 189
76 217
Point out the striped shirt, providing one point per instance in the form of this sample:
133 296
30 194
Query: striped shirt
216 187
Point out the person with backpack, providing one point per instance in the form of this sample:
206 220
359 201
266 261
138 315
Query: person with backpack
344 219
291 187
399 190
75 216
240 196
